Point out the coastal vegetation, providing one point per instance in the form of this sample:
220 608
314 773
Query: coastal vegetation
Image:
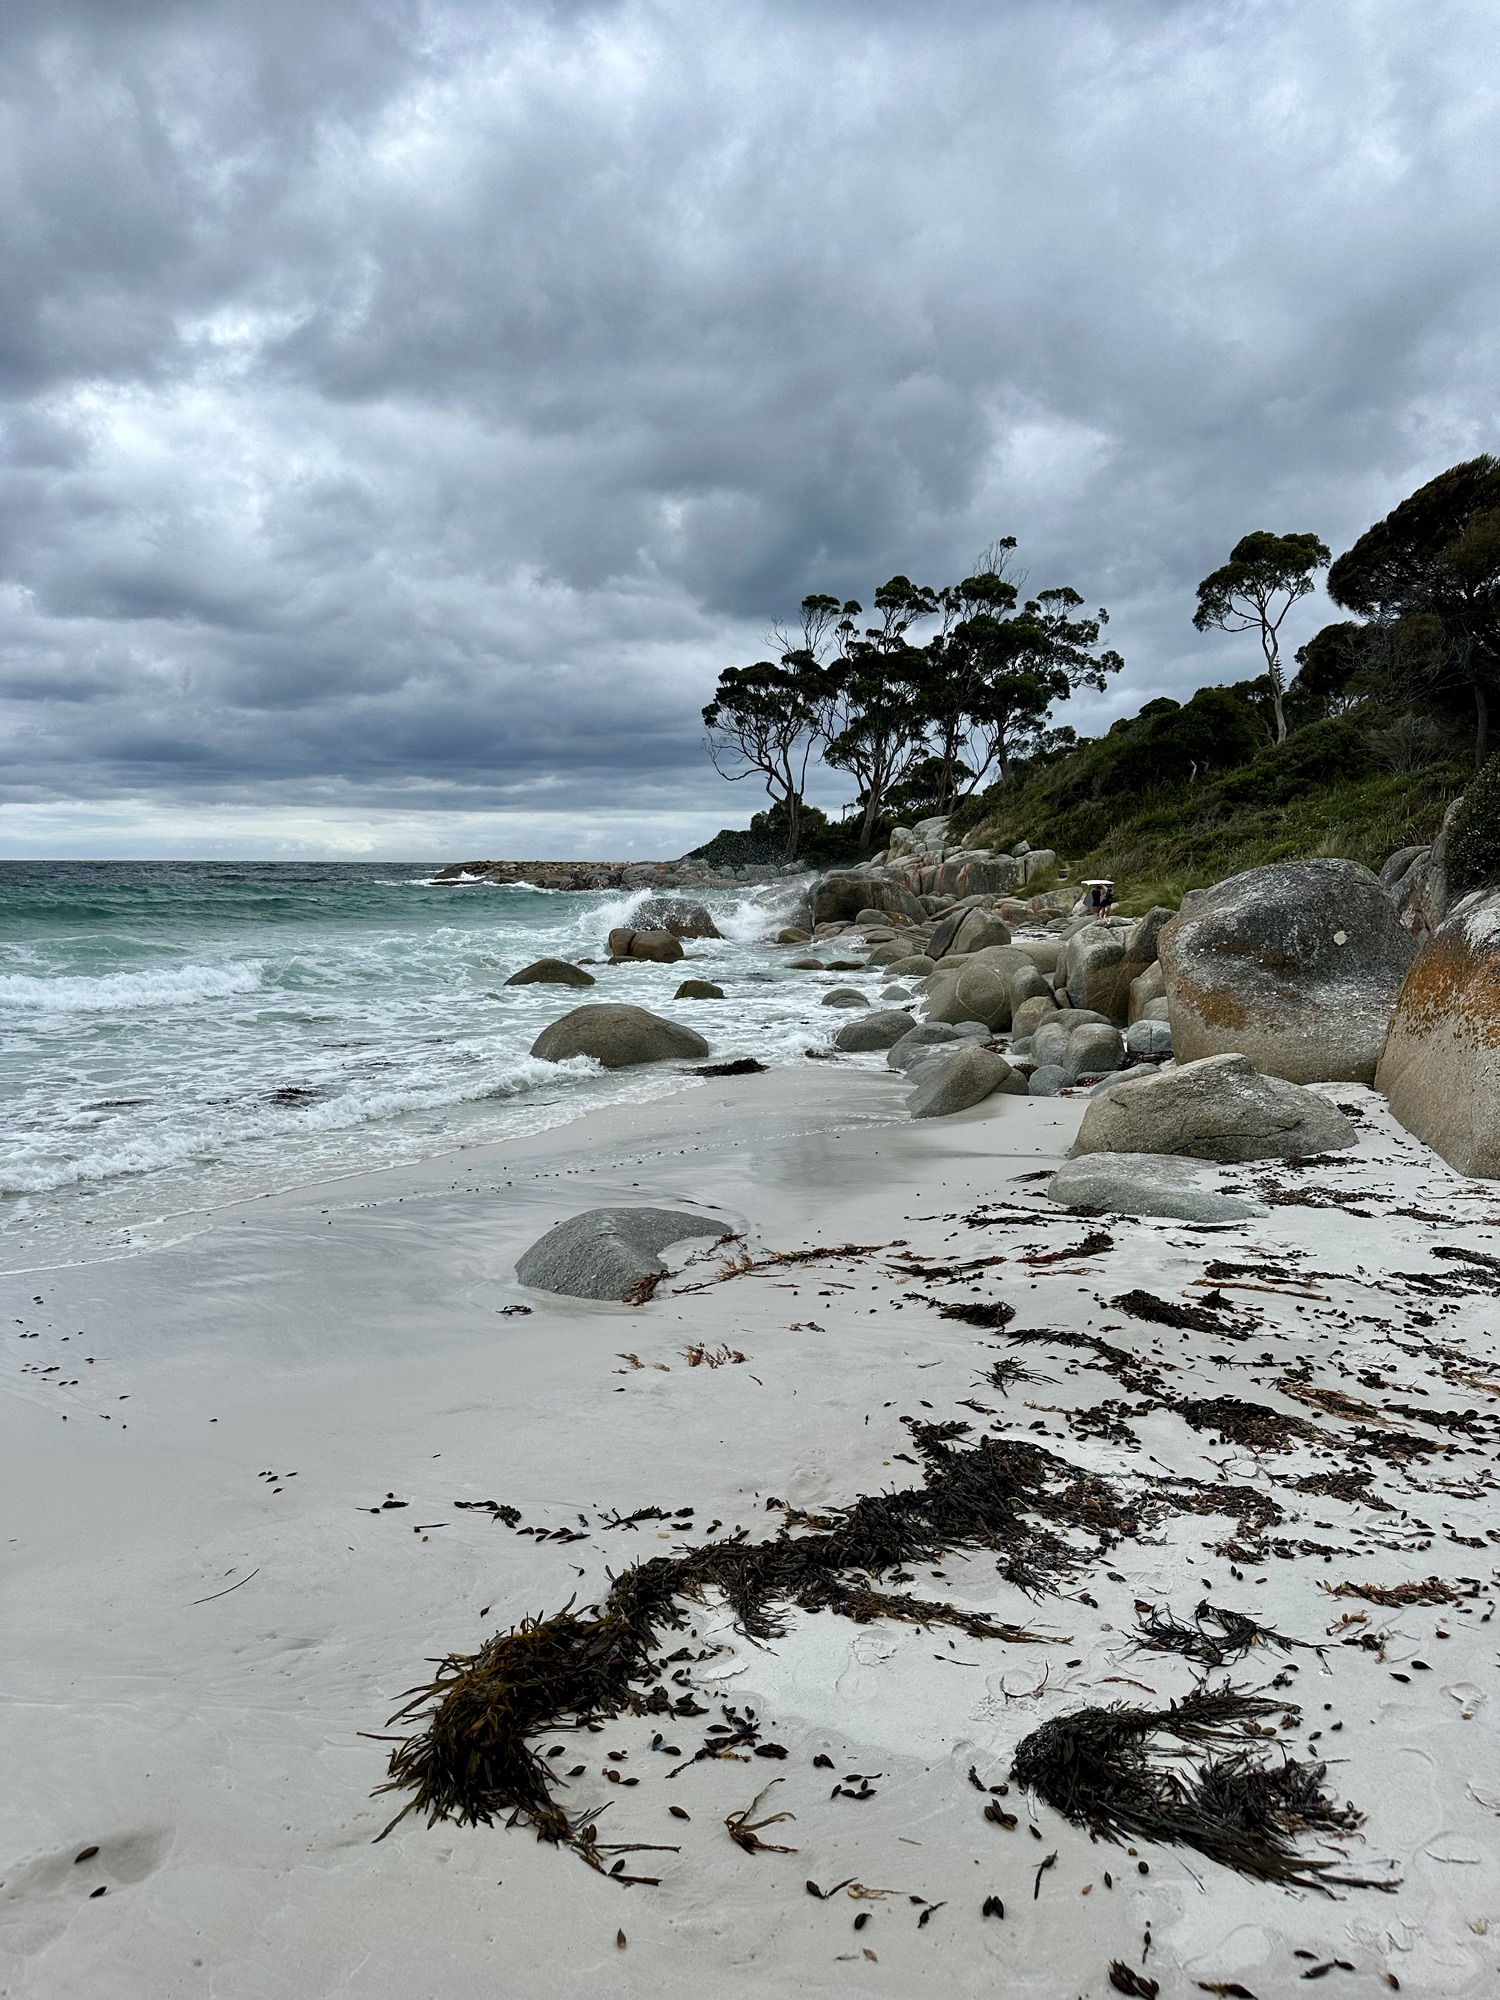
1360 753
906 720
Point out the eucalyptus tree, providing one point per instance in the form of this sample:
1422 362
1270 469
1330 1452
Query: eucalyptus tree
876 717
1024 663
1264 577
764 722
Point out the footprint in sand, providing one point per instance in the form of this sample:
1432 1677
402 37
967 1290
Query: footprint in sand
42 1896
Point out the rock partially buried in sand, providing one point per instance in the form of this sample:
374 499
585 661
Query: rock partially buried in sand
617 1036
872 1032
1220 1108
698 989
958 1082
551 972
603 1252
1296 966
1147 1184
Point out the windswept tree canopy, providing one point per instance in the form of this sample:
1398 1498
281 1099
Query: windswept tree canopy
1264 577
763 721
1437 556
906 715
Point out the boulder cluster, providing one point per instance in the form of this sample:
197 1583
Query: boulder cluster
1201 1033
1198 1029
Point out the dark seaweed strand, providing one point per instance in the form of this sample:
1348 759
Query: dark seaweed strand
470 1756
1109 1770
1161 1632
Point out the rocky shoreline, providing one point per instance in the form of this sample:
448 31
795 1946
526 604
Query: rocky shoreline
584 875
1302 972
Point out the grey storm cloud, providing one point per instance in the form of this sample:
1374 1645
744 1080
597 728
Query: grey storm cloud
424 401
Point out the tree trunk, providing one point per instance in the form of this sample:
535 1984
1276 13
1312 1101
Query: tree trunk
1272 651
1481 725
793 826
867 825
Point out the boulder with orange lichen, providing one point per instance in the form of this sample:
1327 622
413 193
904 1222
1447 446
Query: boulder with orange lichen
1440 1067
1296 966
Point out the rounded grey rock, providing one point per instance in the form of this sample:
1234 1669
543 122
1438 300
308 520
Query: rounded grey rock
698 989
551 972
601 1253
873 1031
925 1035
1093 1050
1296 966
1049 1043
1219 1108
1149 1038
1046 1080
957 1082
845 996
616 1035
1147 1184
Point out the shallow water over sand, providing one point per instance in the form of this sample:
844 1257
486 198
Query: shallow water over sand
173 1035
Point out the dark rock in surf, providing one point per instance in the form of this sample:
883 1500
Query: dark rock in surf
616 1036
551 972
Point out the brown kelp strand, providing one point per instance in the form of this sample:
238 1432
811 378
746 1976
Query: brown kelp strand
1198 1774
470 1756
1214 1638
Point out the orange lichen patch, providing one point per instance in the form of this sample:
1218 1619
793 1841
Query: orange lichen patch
1216 1007
1449 983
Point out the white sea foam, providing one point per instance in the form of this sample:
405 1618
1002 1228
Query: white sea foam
161 1055
122 992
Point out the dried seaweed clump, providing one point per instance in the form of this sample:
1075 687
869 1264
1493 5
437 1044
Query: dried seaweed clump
472 1760
470 1757
1196 1774
1167 1312
1256 1425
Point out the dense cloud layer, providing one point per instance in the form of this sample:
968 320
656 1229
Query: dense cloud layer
411 407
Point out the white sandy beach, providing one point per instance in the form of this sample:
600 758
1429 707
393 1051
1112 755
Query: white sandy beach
209 1613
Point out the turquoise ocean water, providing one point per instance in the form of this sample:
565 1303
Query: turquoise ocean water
178 1034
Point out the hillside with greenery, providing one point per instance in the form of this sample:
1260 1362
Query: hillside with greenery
1357 754
1182 795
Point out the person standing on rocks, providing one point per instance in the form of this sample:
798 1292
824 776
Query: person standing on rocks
1101 898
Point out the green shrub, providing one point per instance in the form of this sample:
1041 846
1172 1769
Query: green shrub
1474 839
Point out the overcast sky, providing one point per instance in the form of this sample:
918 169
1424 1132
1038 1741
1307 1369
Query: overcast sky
407 409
